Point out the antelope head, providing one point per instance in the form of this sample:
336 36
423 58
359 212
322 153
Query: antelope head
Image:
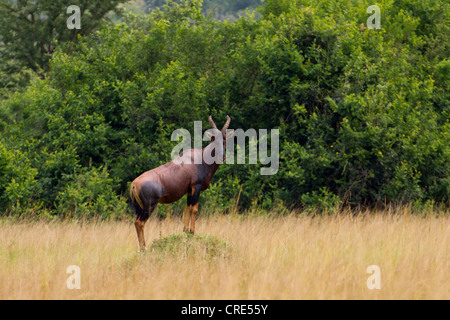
219 137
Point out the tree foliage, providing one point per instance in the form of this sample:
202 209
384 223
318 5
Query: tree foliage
363 114
222 10
31 30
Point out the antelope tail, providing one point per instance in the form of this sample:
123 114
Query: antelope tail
134 195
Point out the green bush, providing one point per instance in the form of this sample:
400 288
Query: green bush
17 180
363 114
321 201
89 194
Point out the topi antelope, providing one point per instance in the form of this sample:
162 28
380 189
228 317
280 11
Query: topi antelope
171 181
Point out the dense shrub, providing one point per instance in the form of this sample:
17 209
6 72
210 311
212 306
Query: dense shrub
363 114
89 194
17 179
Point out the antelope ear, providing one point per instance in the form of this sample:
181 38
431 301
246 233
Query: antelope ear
230 133
208 135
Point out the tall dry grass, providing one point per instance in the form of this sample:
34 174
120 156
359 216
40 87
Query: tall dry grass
288 257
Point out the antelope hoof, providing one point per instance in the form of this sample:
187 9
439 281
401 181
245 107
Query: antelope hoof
191 232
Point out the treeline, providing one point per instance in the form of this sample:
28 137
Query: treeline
363 114
222 10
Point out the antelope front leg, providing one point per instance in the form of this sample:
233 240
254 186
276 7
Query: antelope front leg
186 218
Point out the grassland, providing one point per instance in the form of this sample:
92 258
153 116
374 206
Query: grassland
233 257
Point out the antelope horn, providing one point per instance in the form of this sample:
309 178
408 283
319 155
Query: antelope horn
211 122
227 124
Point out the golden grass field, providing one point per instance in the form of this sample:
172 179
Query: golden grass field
259 257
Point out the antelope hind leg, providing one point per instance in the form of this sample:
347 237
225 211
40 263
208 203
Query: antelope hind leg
186 218
194 210
140 224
